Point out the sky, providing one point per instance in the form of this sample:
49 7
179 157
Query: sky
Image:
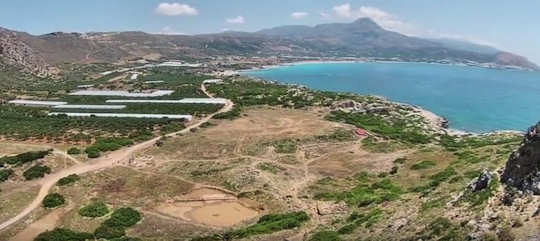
507 25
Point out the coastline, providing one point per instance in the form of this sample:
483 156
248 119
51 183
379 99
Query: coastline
435 121
295 63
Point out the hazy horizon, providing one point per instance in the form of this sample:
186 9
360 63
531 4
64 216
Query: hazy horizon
500 24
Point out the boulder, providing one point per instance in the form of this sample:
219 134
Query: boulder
481 182
522 169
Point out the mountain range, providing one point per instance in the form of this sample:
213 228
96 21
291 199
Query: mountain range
361 38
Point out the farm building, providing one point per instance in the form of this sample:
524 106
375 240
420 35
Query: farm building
154 82
218 101
91 107
134 76
84 86
213 81
361 132
122 115
121 93
36 103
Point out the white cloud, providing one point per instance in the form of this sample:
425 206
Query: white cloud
299 15
385 19
392 23
236 20
176 9
168 30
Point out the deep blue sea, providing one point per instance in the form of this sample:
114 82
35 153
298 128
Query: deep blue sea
473 99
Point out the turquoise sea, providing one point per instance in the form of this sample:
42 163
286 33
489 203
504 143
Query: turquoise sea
473 99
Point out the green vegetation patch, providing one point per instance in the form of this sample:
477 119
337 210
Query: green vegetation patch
365 194
325 236
5 174
35 172
356 220
270 167
94 210
23 158
53 200
441 229
68 180
397 129
115 226
74 151
436 180
285 146
423 165
272 223
58 234
107 144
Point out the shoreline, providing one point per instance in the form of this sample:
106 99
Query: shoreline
435 121
296 63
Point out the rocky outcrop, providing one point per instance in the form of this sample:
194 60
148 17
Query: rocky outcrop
481 182
522 170
16 53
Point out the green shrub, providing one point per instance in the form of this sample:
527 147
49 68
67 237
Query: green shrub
25 157
109 232
285 146
272 223
61 234
364 195
423 165
74 151
37 171
5 174
123 217
68 180
93 154
94 210
325 236
53 200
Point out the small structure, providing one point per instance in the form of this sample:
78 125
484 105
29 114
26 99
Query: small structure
134 76
91 107
124 115
361 132
154 82
84 86
213 81
36 103
123 93
217 101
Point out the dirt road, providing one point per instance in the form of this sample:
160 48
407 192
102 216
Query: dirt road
107 161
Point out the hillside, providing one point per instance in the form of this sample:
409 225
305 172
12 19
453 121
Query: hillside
362 38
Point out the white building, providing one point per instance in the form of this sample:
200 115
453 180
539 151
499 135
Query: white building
123 93
219 101
91 107
125 115
213 81
36 103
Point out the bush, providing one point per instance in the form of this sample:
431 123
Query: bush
325 236
25 157
94 210
63 235
364 195
285 146
272 223
74 151
53 200
37 171
5 174
123 217
423 165
68 180
93 153
108 232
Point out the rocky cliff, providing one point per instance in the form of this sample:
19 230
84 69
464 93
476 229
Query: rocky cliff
16 53
522 170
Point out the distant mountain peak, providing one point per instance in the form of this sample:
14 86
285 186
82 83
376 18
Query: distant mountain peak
366 22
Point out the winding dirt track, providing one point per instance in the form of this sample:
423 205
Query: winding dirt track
110 160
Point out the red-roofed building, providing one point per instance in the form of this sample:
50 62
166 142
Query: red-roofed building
361 132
